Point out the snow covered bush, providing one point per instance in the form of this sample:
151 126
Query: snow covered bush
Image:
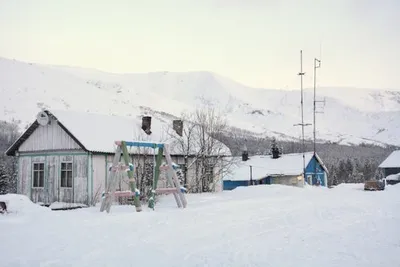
4 180
8 134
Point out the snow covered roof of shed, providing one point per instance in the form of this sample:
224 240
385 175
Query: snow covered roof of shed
263 166
97 132
392 161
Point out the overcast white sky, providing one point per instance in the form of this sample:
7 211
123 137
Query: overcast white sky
255 42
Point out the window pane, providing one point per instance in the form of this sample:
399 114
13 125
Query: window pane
62 166
35 166
69 181
69 177
63 179
69 166
63 183
41 166
41 182
35 178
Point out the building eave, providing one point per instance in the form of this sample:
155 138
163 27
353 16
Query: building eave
322 164
24 136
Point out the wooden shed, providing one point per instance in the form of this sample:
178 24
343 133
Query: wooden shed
391 165
286 169
391 168
65 156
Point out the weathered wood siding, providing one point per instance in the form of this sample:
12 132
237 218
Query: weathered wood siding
99 176
102 163
53 178
39 194
24 184
52 190
66 194
49 137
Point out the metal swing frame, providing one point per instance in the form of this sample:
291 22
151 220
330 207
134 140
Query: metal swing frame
122 150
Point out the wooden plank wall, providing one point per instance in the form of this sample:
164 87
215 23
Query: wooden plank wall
49 137
52 190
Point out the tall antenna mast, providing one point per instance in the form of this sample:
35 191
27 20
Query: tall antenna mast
317 64
301 74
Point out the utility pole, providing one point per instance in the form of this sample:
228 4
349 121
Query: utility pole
302 124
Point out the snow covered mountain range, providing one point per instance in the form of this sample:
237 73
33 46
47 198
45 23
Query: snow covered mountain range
350 116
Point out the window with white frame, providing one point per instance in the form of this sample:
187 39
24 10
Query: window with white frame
38 174
66 174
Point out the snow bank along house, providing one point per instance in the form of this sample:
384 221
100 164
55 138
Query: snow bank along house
64 156
391 167
286 169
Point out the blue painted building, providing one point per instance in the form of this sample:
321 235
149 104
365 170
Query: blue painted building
286 170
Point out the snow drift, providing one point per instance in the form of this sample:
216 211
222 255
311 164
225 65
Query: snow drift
20 204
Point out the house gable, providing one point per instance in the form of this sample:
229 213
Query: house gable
315 164
49 137
53 136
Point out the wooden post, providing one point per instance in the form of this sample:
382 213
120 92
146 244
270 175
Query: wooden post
251 175
175 179
156 176
132 183
111 183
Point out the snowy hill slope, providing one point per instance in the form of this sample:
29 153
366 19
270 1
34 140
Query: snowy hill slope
351 116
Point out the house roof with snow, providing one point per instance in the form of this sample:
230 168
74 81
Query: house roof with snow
392 161
97 132
264 166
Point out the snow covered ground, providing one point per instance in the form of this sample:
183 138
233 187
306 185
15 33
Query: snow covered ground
258 226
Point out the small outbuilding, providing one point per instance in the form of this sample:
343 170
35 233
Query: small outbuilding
287 169
391 167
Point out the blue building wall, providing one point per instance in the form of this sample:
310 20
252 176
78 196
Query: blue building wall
230 185
320 172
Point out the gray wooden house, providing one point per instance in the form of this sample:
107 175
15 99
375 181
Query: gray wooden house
64 156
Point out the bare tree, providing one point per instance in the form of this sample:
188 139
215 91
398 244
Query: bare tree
8 165
205 156
185 144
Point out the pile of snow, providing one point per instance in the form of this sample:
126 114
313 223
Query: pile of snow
393 177
20 204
